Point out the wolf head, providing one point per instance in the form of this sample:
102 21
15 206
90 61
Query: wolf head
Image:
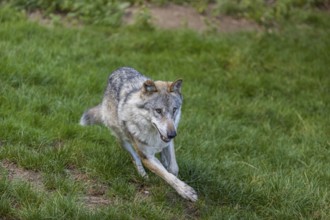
163 101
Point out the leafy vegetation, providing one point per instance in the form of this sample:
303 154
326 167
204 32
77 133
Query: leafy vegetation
253 140
110 12
268 12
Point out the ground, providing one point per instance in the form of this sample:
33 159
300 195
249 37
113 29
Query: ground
256 109
176 16
94 196
173 16
167 17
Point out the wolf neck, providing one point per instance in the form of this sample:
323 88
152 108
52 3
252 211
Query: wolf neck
145 134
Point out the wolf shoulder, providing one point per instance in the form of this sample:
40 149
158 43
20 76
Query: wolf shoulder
123 81
126 76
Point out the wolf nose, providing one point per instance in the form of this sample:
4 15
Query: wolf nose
171 134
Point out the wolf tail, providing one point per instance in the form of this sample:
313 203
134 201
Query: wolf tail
91 116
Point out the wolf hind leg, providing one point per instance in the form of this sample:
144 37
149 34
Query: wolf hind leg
136 159
91 116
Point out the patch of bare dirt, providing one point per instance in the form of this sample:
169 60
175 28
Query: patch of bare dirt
17 173
169 16
229 24
94 202
95 192
95 195
174 16
39 17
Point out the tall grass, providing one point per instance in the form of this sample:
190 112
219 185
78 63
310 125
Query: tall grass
253 139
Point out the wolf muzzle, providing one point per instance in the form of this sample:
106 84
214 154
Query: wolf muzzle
170 134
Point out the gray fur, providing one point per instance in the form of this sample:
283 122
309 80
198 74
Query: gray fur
144 115
92 116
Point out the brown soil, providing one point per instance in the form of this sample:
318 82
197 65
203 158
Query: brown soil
174 16
95 192
95 195
170 16
17 173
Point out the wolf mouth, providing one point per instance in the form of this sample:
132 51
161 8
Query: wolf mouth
165 139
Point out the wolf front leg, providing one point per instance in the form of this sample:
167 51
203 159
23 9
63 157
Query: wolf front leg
168 159
153 164
136 159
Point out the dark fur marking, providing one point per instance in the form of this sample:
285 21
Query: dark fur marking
130 94
119 78
141 141
142 106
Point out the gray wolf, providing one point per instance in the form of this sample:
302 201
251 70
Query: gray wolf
144 115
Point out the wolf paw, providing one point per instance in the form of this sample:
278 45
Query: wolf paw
141 171
188 193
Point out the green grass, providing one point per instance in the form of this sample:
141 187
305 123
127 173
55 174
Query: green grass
253 139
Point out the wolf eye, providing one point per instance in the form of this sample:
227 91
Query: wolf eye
158 110
174 110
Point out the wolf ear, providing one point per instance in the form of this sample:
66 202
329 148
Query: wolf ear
176 86
149 86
